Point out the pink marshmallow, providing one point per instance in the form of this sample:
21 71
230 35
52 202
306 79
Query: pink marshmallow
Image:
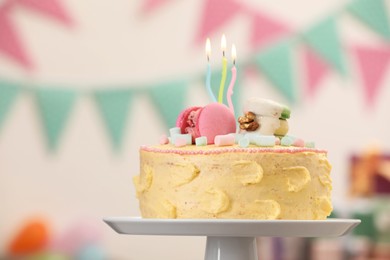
223 140
180 142
277 141
299 142
164 139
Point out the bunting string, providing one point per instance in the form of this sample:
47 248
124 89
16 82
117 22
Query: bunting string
273 42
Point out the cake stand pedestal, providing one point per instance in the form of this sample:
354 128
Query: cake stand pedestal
231 239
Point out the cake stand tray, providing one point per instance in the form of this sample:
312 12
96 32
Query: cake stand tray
231 239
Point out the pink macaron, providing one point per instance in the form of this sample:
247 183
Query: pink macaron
210 121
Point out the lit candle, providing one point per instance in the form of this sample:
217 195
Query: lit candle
208 75
224 68
232 81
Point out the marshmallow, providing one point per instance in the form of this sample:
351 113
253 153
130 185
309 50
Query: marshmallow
201 141
164 139
186 137
222 140
299 142
251 137
238 137
174 130
243 142
310 144
265 140
180 141
287 140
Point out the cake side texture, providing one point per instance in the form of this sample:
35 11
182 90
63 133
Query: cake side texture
234 183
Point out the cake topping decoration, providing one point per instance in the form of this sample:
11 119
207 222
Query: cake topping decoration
174 130
201 141
269 117
180 142
223 140
248 122
209 121
310 144
243 142
187 138
299 142
287 140
264 140
164 139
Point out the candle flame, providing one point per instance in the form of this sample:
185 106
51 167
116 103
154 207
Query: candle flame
208 48
223 44
234 53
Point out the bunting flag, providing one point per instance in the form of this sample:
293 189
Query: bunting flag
169 100
372 63
215 14
55 106
373 13
276 63
151 5
266 30
8 93
51 8
323 38
114 107
10 43
315 70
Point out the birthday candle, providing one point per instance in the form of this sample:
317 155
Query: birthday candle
232 81
224 68
208 75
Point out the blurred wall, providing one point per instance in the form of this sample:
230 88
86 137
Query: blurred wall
112 43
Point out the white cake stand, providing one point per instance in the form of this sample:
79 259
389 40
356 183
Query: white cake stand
230 239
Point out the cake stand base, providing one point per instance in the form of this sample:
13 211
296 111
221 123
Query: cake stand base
231 248
232 239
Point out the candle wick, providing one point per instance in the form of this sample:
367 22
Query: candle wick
208 58
223 53
234 62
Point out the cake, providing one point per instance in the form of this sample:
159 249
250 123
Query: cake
207 169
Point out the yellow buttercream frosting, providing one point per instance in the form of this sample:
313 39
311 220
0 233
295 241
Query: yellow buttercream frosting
233 182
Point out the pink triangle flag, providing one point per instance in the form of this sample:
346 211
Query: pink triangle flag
372 63
52 8
10 44
215 14
315 70
266 30
151 5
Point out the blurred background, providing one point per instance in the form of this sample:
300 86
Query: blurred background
83 84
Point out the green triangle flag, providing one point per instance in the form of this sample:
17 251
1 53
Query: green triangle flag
373 13
325 41
276 64
55 106
114 108
8 93
169 99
